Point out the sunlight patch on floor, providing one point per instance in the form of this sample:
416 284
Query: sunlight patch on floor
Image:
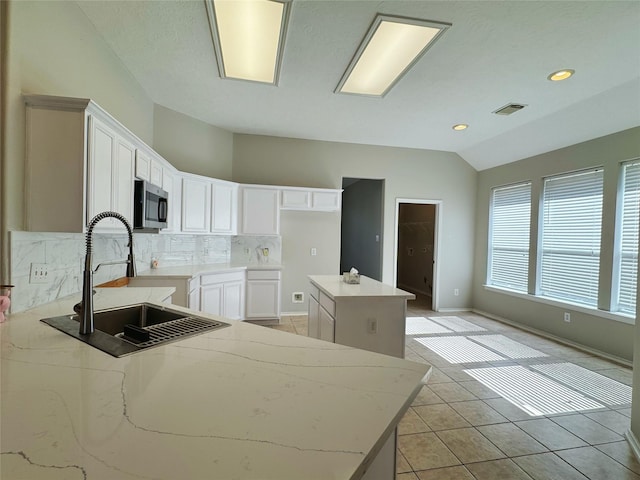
507 347
604 389
459 350
531 391
422 326
457 324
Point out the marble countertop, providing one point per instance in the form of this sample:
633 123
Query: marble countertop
335 287
189 271
241 402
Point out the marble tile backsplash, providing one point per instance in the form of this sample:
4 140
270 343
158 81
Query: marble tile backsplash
64 255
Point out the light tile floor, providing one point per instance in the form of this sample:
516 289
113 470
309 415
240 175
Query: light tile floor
457 428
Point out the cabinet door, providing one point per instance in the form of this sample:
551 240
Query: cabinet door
329 201
233 301
325 326
195 205
296 199
102 147
143 165
155 173
194 299
314 317
263 299
260 212
224 201
211 299
123 166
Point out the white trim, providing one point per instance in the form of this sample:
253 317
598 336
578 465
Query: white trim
294 314
633 443
435 291
446 310
616 317
564 341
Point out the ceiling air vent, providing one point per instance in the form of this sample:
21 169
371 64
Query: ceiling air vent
509 109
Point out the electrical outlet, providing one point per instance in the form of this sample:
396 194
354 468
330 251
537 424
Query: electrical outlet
39 273
456 292
372 325
314 251
567 317
297 297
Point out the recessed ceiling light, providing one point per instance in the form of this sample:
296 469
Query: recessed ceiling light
561 75
460 126
248 37
390 48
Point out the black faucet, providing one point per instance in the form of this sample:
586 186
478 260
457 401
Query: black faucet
85 308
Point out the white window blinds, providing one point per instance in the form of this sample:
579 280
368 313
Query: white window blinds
509 224
627 272
571 227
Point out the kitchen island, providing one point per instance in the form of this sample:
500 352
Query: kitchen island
370 315
241 402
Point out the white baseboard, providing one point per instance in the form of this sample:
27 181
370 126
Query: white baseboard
451 310
633 443
555 338
293 314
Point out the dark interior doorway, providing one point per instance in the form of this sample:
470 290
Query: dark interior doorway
416 247
362 220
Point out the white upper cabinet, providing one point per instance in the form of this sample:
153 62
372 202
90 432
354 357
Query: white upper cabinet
110 175
79 155
143 165
196 201
260 210
224 207
311 199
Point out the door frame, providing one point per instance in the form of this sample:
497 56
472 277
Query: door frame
435 301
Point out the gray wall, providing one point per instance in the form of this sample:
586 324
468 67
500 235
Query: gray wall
362 204
606 335
408 173
191 145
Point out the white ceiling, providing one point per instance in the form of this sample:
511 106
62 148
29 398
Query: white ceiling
496 52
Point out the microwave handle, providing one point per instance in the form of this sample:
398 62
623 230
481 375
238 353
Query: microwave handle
162 210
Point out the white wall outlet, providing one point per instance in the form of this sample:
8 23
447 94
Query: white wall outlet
567 317
39 273
372 325
456 292
314 251
297 297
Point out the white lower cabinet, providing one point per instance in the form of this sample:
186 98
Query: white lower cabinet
263 294
314 317
326 326
223 294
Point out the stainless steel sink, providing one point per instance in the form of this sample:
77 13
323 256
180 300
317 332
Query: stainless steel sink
125 330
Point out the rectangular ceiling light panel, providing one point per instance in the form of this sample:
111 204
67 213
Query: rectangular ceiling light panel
248 37
390 48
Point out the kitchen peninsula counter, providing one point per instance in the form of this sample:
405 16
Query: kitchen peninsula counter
241 402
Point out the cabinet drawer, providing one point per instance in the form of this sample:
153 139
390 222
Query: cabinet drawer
263 274
210 278
328 304
314 292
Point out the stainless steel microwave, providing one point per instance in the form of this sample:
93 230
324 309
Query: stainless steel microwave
150 207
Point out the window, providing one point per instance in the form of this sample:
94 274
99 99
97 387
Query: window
571 228
626 273
509 222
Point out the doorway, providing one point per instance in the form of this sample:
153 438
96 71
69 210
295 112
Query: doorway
416 249
361 231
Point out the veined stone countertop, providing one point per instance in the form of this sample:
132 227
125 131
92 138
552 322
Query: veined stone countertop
189 271
241 402
335 287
